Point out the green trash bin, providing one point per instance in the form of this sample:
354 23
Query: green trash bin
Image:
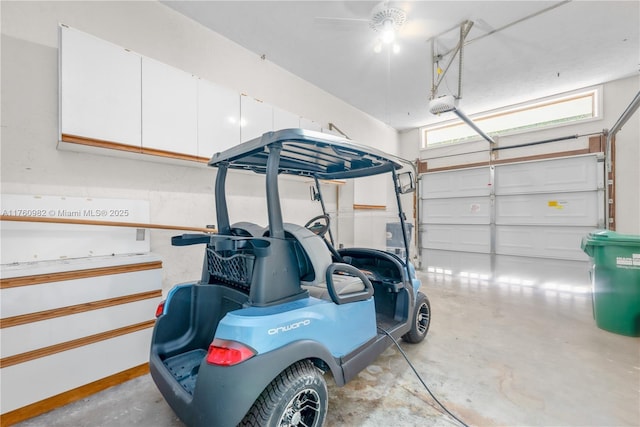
616 280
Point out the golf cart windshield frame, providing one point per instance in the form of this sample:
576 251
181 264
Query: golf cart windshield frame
302 153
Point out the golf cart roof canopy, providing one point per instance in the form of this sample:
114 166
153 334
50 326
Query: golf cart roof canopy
308 153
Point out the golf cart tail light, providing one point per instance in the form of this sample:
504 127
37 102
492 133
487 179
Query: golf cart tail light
160 309
228 353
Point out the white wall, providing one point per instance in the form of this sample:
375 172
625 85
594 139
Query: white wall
409 144
30 163
616 97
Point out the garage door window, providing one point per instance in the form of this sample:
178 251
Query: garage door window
550 112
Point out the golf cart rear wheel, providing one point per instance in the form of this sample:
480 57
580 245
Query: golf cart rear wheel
296 397
421 320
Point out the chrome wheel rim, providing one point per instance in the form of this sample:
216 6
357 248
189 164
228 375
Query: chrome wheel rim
302 410
422 318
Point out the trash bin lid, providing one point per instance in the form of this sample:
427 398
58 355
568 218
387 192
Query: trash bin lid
607 237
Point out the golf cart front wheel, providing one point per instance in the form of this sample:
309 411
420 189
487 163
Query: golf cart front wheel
296 397
421 320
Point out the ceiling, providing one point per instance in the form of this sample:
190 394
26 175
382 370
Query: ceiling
540 48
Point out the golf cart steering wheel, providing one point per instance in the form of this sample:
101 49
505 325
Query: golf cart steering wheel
316 227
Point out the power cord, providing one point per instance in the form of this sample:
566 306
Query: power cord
462 423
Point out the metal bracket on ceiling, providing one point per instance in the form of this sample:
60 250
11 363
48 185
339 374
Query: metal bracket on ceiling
465 27
449 103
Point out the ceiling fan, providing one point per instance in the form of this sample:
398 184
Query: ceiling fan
387 21
384 20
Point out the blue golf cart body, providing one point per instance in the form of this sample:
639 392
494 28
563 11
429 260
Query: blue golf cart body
277 307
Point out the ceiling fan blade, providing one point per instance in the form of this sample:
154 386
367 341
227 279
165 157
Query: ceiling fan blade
328 18
340 24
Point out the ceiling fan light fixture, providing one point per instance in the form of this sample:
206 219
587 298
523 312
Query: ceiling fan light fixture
387 22
394 47
388 32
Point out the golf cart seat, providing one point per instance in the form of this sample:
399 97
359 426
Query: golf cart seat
348 284
247 229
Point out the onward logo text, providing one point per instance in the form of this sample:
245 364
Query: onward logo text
289 327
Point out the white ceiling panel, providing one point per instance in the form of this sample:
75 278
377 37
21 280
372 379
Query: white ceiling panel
546 48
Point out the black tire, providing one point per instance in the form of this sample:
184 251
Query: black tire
296 397
420 321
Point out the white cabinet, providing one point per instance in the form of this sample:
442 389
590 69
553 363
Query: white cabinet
218 118
169 109
256 118
117 102
58 332
99 89
284 119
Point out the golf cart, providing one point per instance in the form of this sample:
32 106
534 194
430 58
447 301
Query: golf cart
277 307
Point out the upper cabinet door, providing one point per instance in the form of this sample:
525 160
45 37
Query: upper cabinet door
256 118
169 109
218 118
99 89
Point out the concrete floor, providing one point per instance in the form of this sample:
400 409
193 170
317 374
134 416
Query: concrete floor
495 355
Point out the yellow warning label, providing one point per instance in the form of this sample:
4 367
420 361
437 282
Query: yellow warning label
556 204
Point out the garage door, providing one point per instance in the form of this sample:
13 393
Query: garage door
518 222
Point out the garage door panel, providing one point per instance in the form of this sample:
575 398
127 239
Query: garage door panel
456 183
467 238
545 242
571 209
466 210
519 269
470 264
556 175
534 223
